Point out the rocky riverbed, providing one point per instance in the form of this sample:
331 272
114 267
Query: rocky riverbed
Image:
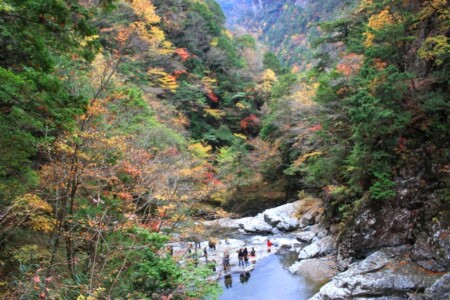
387 273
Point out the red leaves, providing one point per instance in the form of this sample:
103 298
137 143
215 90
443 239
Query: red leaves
249 121
315 128
210 177
213 97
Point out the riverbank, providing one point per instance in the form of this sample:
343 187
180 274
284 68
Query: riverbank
388 272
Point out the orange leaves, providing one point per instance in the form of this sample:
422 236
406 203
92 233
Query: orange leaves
304 157
125 196
379 64
350 64
183 54
123 35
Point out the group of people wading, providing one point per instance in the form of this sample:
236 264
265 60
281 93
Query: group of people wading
244 256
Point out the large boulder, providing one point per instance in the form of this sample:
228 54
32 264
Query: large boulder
225 223
283 217
310 211
256 225
321 247
318 270
386 273
306 236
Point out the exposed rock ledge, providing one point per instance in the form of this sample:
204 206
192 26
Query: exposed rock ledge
389 273
283 218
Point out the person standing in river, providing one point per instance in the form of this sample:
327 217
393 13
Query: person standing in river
253 253
245 254
269 244
241 257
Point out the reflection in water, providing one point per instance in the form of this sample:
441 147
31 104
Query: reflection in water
228 280
244 277
270 280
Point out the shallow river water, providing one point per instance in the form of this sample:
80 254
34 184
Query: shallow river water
269 280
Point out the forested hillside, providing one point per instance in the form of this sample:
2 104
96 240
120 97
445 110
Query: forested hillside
288 27
125 122
363 118
119 118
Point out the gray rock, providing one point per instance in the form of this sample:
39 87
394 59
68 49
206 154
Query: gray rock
306 236
319 270
283 217
440 289
382 274
287 225
256 225
225 223
432 250
377 228
319 248
310 217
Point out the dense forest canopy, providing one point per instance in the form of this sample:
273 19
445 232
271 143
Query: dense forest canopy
123 121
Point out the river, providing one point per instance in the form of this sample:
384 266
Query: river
269 280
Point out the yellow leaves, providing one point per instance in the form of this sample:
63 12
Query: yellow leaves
435 48
242 106
200 150
35 212
267 80
215 113
191 172
241 136
269 75
168 82
145 10
88 39
228 34
31 202
156 35
214 42
304 157
439 7
208 81
156 72
81 297
42 223
29 253
164 80
378 22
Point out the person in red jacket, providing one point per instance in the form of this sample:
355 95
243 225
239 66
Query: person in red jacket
269 244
